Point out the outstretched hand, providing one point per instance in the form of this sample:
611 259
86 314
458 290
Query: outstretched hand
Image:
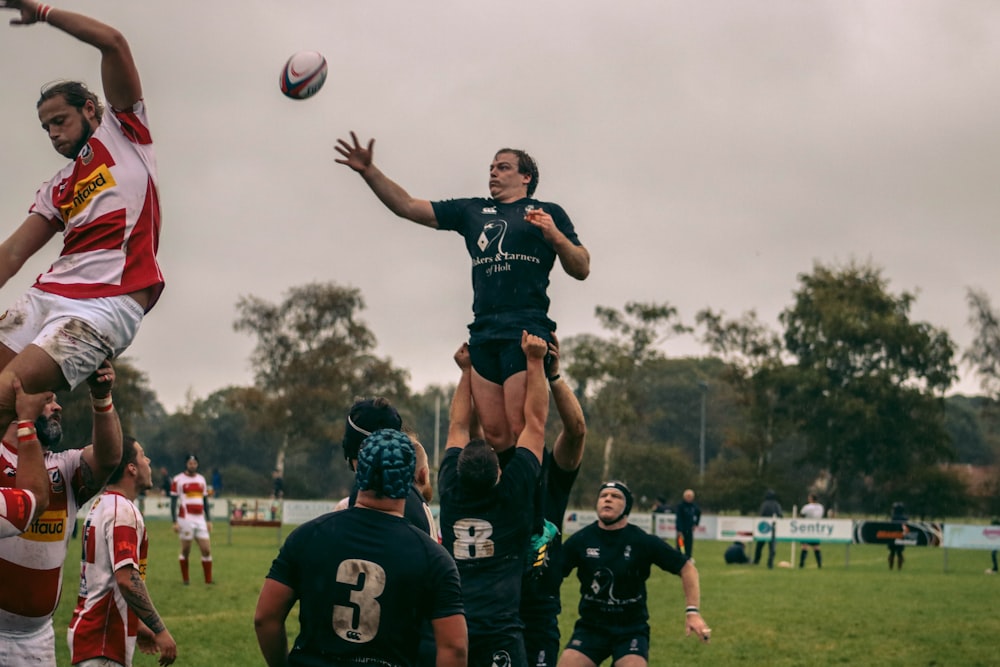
102 380
696 625
356 157
28 9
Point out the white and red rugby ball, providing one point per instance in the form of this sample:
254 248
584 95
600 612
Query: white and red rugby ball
303 75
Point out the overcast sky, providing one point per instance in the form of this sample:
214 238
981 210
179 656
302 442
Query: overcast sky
707 152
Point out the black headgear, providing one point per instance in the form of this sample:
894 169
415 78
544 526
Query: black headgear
614 484
366 417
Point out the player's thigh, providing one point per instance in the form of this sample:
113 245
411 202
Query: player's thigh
631 661
572 658
37 370
489 404
205 545
514 389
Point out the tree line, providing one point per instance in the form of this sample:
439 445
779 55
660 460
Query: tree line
847 399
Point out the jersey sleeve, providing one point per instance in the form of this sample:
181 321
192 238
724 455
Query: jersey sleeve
123 538
132 123
570 554
17 506
665 556
562 221
449 214
446 589
285 568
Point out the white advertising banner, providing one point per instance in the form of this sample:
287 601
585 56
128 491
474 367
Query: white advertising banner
735 528
296 512
804 530
959 536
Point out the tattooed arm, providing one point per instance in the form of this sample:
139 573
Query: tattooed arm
100 459
133 589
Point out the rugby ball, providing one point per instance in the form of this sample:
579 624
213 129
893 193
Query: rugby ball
303 75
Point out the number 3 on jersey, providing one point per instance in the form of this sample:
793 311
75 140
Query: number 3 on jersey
472 539
364 601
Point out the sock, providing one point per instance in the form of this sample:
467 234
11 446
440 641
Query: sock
184 569
802 558
819 558
206 566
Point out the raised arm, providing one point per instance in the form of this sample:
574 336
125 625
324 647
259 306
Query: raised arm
31 472
102 457
396 199
460 415
122 86
568 448
536 395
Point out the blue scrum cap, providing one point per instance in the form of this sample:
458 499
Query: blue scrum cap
385 464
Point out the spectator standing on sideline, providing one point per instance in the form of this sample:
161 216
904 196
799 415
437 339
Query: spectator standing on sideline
377 587
216 483
165 481
613 561
688 518
770 508
192 520
513 241
88 306
661 506
31 563
812 510
895 549
114 605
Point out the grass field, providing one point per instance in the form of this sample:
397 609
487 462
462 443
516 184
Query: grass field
851 614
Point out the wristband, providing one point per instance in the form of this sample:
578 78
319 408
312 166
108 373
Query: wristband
26 431
692 610
42 13
553 378
102 404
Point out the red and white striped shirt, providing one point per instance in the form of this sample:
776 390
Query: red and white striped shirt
103 625
31 563
190 491
107 204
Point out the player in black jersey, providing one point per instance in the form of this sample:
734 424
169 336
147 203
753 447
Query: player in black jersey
365 578
487 516
540 603
366 416
513 241
613 561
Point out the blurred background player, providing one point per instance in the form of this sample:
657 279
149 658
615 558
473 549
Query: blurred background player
88 306
377 584
688 517
770 508
192 520
812 510
487 517
21 504
513 241
613 561
540 600
113 594
31 563
895 548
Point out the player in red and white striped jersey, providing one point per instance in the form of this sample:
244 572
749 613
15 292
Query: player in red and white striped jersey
189 509
88 306
114 604
22 504
31 564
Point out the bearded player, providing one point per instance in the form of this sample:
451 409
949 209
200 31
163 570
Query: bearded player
87 307
192 522
31 564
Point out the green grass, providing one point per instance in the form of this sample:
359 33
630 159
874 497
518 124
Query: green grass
861 614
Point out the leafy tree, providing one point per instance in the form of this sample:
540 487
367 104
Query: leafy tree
313 356
984 352
868 381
